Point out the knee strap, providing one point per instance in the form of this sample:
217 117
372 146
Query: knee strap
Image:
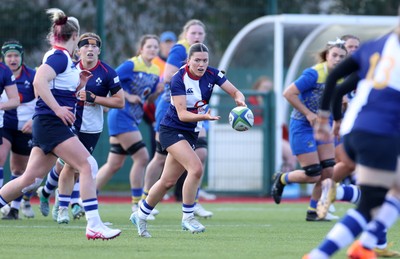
117 149
313 170
328 163
135 147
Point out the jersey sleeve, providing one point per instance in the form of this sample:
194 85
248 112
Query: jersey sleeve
307 80
124 72
8 78
113 81
177 56
177 85
58 61
220 78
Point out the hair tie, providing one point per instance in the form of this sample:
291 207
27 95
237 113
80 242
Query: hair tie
61 21
337 42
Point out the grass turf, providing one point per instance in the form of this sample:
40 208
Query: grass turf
237 230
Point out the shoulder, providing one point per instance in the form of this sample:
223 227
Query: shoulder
126 65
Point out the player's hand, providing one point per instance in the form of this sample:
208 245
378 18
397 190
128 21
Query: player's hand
322 130
64 113
87 96
27 127
336 128
84 77
133 98
312 118
240 102
211 117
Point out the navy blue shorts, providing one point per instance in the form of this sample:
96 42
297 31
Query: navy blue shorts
49 131
371 150
89 140
21 143
170 136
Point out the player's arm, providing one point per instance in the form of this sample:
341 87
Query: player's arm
115 100
345 68
12 96
169 71
292 94
44 75
187 116
237 95
350 84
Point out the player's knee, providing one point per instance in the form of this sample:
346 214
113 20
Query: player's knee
313 170
196 170
94 168
371 198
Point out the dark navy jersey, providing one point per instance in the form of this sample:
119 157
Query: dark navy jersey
198 93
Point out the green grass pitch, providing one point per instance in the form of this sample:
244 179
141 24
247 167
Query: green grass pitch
237 230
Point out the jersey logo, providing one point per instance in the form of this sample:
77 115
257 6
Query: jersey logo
189 91
98 81
27 84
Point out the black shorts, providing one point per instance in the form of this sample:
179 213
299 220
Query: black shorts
170 136
49 131
372 150
89 140
21 143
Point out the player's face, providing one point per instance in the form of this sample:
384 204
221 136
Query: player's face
334 56
198 63
89 53
351 45
195 34
13 60
150 50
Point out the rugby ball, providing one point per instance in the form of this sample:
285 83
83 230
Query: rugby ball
241 118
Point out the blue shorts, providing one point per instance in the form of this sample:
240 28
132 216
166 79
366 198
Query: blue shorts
21 143
119 122
89 140
48 131
170 136
301 137
338 141
372 150
161 110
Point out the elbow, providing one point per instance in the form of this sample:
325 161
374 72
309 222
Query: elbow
17 101
285 95
121 103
